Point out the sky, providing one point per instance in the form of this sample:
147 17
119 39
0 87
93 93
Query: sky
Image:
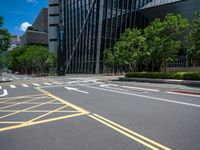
19 14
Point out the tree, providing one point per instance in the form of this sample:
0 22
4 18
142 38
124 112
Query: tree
4 37
13 61
130 48
31 59
163 38
30 28
194 41
108 58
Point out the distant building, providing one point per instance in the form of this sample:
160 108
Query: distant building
39 32
15 40
54 21
80 30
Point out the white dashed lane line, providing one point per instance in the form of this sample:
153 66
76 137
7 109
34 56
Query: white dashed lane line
13 86
36 84
46 83
25 85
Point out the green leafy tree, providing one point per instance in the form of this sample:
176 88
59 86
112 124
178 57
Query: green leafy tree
130 49
4 37
13 61
164 38
108 58
31 59
194 41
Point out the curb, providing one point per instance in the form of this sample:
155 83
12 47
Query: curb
5 81
169 81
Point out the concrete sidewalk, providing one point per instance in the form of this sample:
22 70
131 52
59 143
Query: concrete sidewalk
168 81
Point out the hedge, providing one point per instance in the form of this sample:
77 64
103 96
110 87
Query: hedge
168 75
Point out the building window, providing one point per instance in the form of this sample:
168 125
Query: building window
53 5
53 40
53 25
53 15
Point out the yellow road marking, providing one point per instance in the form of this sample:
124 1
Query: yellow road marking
19 103
63 101
4 102
79 111
10 122
12 99
50 112
40 111
25 96
56 103
140 139
26 109
40 122
124 133
132 132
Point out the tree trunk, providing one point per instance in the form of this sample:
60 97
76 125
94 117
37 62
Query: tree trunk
164 61
152 66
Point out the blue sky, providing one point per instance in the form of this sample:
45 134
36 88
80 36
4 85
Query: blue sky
20 13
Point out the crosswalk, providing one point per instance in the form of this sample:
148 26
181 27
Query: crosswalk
12 86
4 79
44 84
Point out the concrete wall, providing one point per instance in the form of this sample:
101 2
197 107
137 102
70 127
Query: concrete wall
53 21
40 36
41 22
34 37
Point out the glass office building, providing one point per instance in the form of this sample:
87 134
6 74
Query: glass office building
87 27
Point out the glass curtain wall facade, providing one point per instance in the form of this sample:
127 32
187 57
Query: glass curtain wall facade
91 26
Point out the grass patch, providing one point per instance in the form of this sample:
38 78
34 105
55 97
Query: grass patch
168 75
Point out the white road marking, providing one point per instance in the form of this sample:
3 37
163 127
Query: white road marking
35 84
147 97
13 86
25 85
138 88
59 83
113 84
103 85
14 77
46 83
4 93
0 87
183 94
75 89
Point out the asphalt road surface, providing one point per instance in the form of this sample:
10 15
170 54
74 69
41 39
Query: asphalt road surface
88 112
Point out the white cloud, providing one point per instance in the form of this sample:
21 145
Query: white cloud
24 26
32 1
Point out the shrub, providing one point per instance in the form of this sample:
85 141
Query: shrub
168 75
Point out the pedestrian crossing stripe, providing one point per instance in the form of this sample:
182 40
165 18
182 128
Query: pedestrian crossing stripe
46 83
13 86
25 85
36 84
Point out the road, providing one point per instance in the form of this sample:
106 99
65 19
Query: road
88 112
